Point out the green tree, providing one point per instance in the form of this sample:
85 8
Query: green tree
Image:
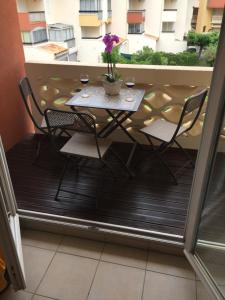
203 40
214 37
210 54
144 55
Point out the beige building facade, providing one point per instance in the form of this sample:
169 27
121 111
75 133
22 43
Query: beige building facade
208 15
160 25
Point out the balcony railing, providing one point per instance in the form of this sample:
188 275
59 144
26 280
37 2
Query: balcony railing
217 19
90 18
135 16
166 87
32 20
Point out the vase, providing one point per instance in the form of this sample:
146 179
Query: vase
112 88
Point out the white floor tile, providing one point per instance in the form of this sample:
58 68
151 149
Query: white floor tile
166 287
170 264
36 262
82 247
41 239
116 282
124 255
69 277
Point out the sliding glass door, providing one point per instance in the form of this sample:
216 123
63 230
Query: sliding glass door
205 231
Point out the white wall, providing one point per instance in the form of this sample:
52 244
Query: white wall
170 4
35 5
119 17
90 51
153 16
167 43
137 42
136 4
184 15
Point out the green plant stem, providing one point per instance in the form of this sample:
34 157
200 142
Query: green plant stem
108 62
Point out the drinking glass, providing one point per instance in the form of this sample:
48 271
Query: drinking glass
84 79
130 83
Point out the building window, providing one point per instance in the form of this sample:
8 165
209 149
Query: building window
217 16
135 28
26 37
90 5
39 35
109 5
37 16
60 33
168 27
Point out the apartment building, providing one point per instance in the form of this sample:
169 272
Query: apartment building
32 21
42 40
90 19
208 15
161 25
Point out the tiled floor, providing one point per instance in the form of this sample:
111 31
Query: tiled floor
67 268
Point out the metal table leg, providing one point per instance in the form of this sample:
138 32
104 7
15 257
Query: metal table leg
114 124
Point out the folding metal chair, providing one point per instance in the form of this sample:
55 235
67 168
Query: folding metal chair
83 144
167 132
58 121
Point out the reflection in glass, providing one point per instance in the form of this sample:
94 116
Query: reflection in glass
211 236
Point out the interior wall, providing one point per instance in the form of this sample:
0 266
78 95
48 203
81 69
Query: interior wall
14 123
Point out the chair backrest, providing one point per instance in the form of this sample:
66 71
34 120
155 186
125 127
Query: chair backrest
194 103
27 96
82 122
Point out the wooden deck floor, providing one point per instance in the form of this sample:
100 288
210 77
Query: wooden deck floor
149 201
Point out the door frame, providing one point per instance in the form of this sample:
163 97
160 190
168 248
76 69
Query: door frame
204 165
10 240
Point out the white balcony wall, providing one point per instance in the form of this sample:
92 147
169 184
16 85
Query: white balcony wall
90 51
30 5
169 16
119 17
153 17
137 4
35 5
184 16
168 43
170 4
166 89
136 42
91 32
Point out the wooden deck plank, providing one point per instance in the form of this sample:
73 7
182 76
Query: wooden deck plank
149 201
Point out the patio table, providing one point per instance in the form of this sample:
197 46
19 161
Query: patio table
117 107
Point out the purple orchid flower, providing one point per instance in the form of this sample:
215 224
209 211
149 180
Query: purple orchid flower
109 40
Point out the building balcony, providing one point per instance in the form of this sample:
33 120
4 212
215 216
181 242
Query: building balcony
135 16
217 20
216 4
90 18
169 15
29 21
140 205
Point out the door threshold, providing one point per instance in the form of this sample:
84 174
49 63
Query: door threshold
105 232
